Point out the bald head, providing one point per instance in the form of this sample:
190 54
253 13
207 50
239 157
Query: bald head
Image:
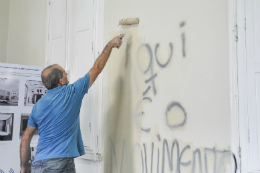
48 69
51 76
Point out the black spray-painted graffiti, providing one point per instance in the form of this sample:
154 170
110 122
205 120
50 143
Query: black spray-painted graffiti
150 65
169 107
150 68
196 160
170 56
151 81
139 114
183 40
218 163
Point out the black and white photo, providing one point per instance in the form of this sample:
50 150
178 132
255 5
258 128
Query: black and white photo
34 90
23 126
6 126
9 92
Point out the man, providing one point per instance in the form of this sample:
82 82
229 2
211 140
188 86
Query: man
56 115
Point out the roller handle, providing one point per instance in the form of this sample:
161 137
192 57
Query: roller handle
120 39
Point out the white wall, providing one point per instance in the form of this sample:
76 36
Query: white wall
4 20
196 84
27 32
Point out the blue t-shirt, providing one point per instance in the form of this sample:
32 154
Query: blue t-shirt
57 116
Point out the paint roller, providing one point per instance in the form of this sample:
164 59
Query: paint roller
128 21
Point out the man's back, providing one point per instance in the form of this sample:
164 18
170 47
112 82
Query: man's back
57 117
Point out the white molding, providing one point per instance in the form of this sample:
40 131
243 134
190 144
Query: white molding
242 88
233 78
98 48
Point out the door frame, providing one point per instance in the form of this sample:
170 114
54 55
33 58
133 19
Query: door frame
242 86
238 85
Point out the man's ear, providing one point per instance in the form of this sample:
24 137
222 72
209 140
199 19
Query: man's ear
60 81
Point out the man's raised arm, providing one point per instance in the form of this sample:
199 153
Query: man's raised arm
102 59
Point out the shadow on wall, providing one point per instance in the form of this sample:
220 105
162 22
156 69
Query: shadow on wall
120 113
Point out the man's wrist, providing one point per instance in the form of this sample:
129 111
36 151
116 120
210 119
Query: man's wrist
24 169
108 48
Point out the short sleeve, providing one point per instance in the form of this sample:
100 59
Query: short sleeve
82 85
31 121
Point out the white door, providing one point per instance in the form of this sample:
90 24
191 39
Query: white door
82 35
253 82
